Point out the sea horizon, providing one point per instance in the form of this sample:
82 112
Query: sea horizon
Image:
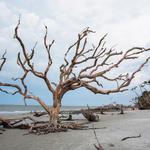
20 109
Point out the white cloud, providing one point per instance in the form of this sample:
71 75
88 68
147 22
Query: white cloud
5 12
30 20
127 23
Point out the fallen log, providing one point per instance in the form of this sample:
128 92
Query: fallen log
16 122
89 115
39 114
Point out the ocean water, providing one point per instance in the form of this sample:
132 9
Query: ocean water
20 109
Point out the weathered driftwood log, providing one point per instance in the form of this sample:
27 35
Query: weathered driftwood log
39 114
16 122
89 115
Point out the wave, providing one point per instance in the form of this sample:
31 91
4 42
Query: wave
15 112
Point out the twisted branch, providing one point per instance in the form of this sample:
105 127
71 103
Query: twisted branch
3 60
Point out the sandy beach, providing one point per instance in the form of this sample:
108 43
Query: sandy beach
132 123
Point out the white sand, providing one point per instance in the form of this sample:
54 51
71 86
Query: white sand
132 123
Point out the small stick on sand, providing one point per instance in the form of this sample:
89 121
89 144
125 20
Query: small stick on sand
131 137
99 147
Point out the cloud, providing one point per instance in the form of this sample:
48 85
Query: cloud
126 22
5 12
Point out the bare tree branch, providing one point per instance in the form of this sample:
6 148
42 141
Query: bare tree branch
3 60
28 58
48 48
90 73
121 87
23 93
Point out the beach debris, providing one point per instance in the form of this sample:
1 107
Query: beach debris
102 111
16 122
98 128
97 110
39 114
128 137
111 145
89 115
40 127
69 118
52 128
98 146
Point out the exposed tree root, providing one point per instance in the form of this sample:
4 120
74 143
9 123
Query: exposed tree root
40 127
47 128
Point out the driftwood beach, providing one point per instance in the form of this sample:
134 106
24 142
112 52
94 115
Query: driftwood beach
58 56
114 132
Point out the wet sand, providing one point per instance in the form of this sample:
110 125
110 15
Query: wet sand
132 123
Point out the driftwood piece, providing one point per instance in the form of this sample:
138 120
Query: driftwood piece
128 137
16 122
39 114
98 147
89 115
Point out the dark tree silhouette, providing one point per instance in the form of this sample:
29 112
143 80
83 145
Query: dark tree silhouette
98 66
142 99
3 60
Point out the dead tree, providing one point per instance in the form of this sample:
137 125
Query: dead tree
94 65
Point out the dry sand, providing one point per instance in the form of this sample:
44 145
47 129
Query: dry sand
132 123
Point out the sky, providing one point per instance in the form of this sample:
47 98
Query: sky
126 22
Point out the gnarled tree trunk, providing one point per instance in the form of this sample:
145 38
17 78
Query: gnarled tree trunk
54 115
55 110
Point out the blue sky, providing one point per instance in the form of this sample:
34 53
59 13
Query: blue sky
126 22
